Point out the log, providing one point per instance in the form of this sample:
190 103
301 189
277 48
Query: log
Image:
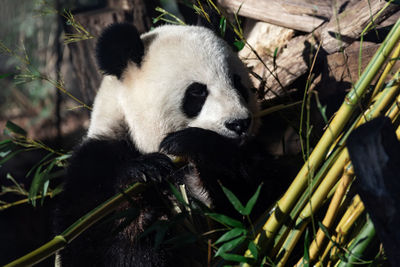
297 15
352 22
294 61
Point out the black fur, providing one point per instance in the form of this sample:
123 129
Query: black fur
194 99
118 44
99 169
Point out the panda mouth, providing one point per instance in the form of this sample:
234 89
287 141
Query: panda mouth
240 140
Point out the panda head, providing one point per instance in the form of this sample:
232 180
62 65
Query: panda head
169 79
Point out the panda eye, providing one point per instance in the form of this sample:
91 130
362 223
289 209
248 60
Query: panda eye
197 90
194 99
242 90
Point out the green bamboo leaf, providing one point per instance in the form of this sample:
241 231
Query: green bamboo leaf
44 191
225 220
306 255
2 76
222 26
35 185
15 128
180 240
9 156
235 232
21 190
177 194
233 199
254 250
39 182
38 163
5 143
239 45
252 201
236 257
228 246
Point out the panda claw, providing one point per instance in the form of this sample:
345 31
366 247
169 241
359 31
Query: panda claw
154 167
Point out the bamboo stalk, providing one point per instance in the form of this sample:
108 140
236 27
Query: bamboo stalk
343 115
330 216
351 215
331 177
359 245
315 202
60 241
386 71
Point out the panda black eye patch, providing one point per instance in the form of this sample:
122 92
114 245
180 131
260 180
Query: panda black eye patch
242 90
193 101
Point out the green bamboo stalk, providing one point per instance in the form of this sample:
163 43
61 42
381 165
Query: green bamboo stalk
320 194
359 245
315 202
82 224
318 155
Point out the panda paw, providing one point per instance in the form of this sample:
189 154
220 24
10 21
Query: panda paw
154 167
198 144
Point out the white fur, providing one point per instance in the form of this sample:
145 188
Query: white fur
149 98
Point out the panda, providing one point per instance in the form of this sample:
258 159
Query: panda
176 91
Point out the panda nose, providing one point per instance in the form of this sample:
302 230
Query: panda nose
239 126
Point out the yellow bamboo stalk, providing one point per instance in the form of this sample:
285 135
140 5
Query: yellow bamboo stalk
394 110
315 202
343 115
354 211
331 214
333 174
388 68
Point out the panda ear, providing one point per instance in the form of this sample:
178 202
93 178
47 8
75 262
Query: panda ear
118 44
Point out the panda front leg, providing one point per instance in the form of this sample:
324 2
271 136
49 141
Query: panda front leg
218 159
98 170
201 146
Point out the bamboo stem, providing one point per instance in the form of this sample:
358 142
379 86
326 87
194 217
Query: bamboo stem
318 155
59 241
351 215
331 214
359 245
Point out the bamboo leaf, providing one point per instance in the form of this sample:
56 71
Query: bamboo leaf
233 199
15 128
225 220
237 258
235 232
2 76
252 201
254 250
222 26
177 194
306 255
21 190
38 163
9 156
228 246
238 44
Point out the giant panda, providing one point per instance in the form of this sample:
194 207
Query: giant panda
176 91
